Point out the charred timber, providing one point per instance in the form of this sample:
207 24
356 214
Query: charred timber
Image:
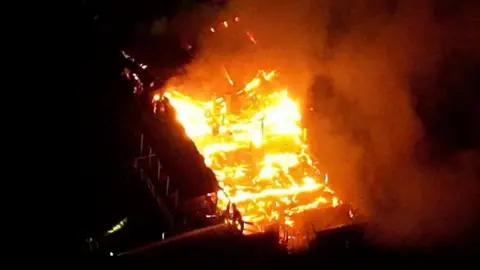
338 240
176 152
178 155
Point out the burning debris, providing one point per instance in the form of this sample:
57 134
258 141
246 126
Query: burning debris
253 141
258 153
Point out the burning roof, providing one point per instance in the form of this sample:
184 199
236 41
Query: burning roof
250 135
258 153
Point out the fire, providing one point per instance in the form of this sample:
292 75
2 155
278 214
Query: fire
258 151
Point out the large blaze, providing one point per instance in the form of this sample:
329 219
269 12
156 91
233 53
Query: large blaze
253 140
257 151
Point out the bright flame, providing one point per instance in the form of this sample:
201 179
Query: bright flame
259 153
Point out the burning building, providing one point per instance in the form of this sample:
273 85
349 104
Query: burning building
239 158
251 135
258 152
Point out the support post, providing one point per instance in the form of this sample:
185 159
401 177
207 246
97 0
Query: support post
141 144
168 185
149 157
159 169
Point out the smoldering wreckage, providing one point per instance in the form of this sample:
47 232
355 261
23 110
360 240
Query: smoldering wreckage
230 174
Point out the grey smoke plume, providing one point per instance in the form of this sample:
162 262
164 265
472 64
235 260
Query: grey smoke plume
394 85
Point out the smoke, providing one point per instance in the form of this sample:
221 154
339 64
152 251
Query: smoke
397 79
387 131
394 87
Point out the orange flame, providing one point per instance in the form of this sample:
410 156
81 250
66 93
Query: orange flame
258 154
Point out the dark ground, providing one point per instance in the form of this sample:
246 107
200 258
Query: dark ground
329 250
